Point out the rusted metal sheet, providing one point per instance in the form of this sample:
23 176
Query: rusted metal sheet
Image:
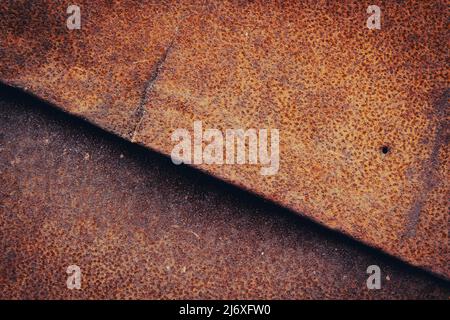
362 114
139 227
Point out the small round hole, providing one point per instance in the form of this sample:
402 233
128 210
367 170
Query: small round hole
385 149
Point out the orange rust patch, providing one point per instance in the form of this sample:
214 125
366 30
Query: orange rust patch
140 227
337 92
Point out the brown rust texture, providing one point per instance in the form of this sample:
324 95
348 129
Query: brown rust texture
139 227
337 91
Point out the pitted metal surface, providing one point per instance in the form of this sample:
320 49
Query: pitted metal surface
339 94
139 227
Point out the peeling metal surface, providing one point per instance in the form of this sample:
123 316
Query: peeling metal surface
337 92
139 227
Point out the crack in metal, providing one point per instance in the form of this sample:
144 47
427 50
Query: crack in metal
148 88
430 165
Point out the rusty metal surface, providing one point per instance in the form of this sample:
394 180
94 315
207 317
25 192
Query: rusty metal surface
140 227
337 92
